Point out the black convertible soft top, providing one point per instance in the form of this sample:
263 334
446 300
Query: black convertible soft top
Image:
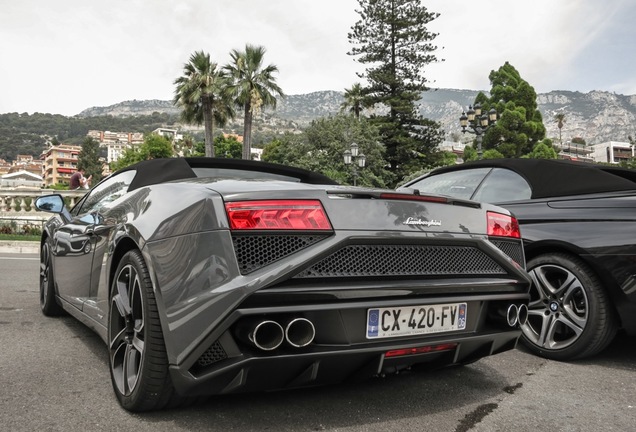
550 178
155 171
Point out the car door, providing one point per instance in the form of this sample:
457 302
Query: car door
72 252
103 198
75 242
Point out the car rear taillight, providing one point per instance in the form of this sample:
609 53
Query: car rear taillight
502 225
277 215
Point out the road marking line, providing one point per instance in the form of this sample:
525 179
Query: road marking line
15 258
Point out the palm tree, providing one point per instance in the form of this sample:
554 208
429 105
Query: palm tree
200 94
253 86
354 100
559 118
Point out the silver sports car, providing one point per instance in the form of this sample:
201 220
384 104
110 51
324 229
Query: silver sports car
210 276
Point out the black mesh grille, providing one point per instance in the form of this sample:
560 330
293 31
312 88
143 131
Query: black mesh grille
403 260
513 249
256 251
213 354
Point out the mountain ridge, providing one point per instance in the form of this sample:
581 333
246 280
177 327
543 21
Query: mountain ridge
596 116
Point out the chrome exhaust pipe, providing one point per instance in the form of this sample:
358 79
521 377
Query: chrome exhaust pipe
300 332
523 314
512 315
267 335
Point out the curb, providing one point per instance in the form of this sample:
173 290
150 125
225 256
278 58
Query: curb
23 247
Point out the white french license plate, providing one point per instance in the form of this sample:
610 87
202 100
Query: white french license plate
415 320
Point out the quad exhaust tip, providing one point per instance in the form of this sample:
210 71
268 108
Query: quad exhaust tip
267 335
517 315
300 332
523 314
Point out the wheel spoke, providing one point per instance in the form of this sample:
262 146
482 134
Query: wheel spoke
131 368
138 344
547 327
536 307
543 286
550 330
44 263
566 285
120 305
118 360
123 289
118 340
572 320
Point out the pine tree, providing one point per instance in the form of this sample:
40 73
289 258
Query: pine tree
392 40
520 124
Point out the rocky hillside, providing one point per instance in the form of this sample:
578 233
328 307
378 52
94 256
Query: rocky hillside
595 116
132 108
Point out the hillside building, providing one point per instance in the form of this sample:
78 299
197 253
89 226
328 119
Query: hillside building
613 152
4 167
573 151
116 143
21 180
59 164
172 134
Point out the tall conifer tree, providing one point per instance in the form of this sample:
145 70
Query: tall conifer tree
392 40
520 125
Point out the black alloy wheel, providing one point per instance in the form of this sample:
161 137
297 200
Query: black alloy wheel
48 303
137 353
570 315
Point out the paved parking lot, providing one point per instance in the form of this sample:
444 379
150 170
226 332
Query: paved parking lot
54 376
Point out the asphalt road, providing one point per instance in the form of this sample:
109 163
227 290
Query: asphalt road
54 377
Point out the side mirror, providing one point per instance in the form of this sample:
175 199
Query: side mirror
50 203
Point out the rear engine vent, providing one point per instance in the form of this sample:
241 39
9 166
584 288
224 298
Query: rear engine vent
513 249
256 251
403 260
212 355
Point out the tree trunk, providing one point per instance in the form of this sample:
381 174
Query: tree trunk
209 129
247 133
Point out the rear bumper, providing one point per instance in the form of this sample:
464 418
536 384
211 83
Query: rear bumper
228 363
332 366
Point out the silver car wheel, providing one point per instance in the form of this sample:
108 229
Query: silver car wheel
48 303
127 341
558 310
45 273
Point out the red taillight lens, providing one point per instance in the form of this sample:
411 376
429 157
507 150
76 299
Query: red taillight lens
502 225
420 350
277 215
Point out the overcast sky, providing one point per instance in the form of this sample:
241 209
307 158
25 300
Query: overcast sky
62 56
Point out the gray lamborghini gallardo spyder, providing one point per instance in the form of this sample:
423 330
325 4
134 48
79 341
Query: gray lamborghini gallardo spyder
209 276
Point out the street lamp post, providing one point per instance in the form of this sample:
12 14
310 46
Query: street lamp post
473 121
352 157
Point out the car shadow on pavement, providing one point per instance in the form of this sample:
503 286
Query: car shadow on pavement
620 354
89 338
396 397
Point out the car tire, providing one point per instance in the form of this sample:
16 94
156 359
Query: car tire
48 303
570 315
137 352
